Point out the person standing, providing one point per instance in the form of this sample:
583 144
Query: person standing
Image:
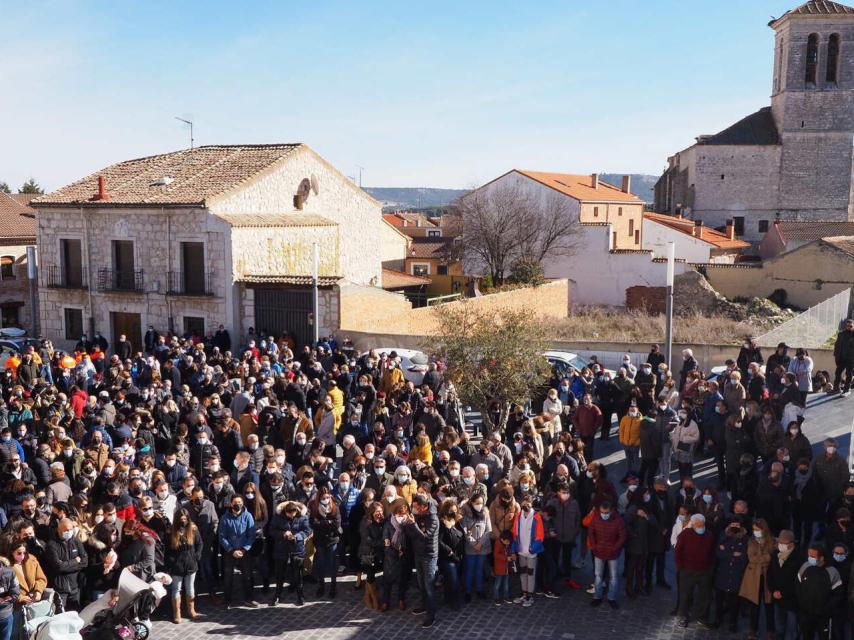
236 537
289 529
325 520
606 537
819 589
732 560
477 527
528 543
422 528
587 420
754 585
183 554
10 591
695 562
630 437
684 439
843 354
783 582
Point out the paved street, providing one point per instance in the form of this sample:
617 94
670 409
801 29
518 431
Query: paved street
569 617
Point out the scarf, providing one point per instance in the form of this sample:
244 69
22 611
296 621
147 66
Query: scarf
398 537
800 481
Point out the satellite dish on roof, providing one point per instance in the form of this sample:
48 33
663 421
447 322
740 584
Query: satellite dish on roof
315 184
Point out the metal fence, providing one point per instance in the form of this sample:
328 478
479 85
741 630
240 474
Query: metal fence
814 327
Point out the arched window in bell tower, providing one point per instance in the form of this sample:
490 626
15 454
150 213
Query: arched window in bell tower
812 60
831 75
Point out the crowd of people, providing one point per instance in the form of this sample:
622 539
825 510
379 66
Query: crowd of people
283 468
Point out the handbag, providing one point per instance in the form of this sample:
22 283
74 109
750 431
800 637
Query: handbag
687 447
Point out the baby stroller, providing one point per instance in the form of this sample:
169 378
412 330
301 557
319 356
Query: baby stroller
45 620
124 614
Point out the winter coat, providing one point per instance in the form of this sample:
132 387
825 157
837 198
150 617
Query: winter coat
799 446
772 504
31 578
768 438
371 542
730 571
537 535
687 434
734 396
452 543
843 350
650 439
738 442
184 559
8 587
803 373
477 527
500 556
326 527
639 531
832 472
236 531
758 559
567 520
785 578
299 527
606 537
65 560
502 516
630 431
424 534
137 554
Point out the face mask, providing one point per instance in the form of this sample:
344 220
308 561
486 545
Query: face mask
67 535
217 486
250 496
524 486
236 509
390 499
633 488
812 561
737 425
662 407
477 507
99 519
148 512
170 463
605 516
324 502
831 450
108 471
369 456
280 460
757 535
454 473
707 499
682 518
301 442
400 519
589 474
700 530
162 495
203 441
468 481
647 498
526 508
839 557
379 470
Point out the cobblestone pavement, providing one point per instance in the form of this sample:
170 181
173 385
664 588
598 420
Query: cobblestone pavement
569 617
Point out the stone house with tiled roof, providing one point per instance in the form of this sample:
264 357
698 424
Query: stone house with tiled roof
789 161
694 241
189 240
787 235
17 232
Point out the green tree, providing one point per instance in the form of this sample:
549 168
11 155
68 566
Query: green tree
31 186
494 358
4 187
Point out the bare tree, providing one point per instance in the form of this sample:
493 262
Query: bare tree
507 223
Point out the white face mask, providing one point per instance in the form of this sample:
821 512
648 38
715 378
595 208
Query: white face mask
783 548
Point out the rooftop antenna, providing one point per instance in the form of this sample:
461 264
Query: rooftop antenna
360 175
189 122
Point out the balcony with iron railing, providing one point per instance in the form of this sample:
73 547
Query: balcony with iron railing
58 278
189 283
130 281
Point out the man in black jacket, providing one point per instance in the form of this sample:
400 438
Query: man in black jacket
843 354
423 531
66 559
783 584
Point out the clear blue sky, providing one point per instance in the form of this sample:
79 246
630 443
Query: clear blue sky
443 94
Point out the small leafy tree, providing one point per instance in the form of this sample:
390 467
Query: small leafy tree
527 271
494 358
4 187
31 186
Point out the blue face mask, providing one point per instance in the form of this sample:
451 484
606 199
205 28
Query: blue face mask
701 530
605 516
812 561
839 557
707 499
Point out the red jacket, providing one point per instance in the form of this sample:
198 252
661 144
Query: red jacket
606 537
587 420
500 552
78 403
695 552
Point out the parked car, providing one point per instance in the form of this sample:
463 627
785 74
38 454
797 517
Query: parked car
413 363
563 360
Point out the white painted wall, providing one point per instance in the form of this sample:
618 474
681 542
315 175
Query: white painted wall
656 237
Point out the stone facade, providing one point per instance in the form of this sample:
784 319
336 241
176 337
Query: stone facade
15 291
801 171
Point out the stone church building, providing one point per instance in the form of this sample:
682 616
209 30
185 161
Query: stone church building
789 161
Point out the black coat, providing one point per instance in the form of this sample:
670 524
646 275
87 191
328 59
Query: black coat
327 528
651 440
424 534
371 542
785 579
184 559
730 566
65 560
452 544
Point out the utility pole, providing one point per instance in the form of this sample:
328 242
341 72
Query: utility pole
671 267
189 122
360 175
315 304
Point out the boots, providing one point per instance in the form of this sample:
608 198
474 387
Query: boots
300 599
191 609
176 609
371 600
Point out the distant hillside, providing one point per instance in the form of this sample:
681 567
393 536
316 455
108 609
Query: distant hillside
413 197
427 198
642 184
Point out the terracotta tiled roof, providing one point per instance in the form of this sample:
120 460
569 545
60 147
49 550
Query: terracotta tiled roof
197 175
707 234
757 128
581 188
409 220
398 280
253 220
843 243
17 220
430 247
807 231
816 8
322 281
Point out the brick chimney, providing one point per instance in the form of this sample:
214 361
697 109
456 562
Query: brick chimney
594 180
697 231
627 184
102 190
730 230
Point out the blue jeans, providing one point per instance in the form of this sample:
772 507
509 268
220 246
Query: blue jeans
785 623
599 570
425 573
474 572
451 582
632 456
183 583
501 587
6 625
